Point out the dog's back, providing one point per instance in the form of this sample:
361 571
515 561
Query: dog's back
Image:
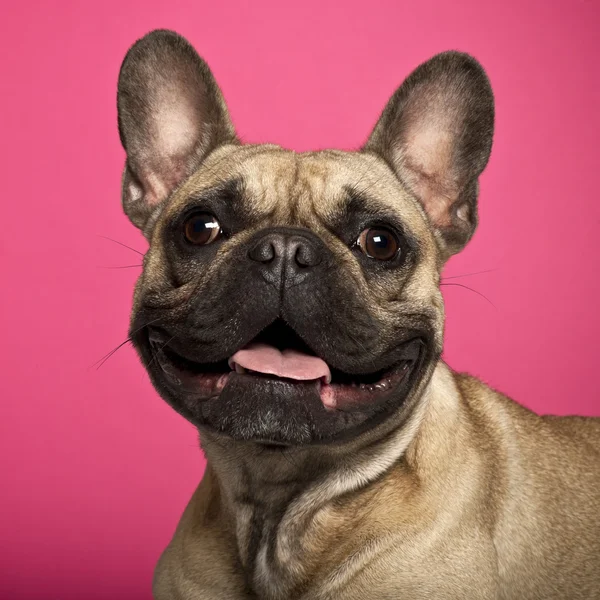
547 529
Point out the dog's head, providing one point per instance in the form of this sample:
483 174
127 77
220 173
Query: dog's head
294 298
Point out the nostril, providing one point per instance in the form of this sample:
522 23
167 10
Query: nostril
302 259
306 256
263 252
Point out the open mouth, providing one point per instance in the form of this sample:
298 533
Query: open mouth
279 353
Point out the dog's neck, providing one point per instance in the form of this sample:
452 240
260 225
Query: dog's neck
277 501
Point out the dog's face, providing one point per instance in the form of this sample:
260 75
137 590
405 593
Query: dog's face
294 298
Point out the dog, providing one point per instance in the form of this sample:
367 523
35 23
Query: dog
290 308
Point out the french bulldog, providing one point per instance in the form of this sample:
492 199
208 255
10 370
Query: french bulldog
290 308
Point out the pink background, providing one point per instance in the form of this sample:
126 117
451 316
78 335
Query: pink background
95 468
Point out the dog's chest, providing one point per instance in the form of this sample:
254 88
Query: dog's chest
271 548
278 566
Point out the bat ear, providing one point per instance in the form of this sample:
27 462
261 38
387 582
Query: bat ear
436 133
171 116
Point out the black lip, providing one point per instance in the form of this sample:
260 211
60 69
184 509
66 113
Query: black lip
280 335
277 411
159 342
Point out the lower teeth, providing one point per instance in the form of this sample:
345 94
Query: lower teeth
380 386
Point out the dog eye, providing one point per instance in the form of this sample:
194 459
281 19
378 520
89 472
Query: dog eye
379 243
201 229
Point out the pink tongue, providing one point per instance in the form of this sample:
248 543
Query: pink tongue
289 363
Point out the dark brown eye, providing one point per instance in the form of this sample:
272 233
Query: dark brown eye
201 229
379 243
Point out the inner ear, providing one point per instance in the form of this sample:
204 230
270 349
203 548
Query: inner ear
436 133
171 116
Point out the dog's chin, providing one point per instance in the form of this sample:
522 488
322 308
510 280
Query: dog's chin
273 408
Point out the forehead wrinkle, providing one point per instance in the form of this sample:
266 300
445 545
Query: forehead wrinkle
318 188
269 177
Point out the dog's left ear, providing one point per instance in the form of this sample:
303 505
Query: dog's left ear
436 134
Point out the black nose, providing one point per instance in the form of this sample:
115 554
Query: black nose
287 256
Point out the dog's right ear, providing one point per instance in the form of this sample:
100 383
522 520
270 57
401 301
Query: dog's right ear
171 116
